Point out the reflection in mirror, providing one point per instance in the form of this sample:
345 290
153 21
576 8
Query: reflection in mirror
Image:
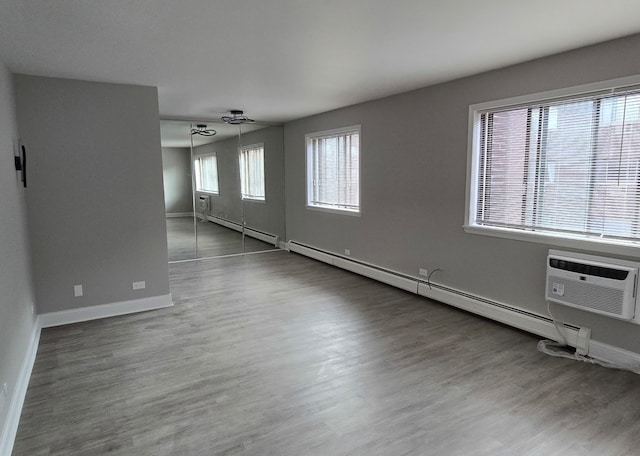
212 189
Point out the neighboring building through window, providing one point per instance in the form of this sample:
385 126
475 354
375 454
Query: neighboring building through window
333 170
565 167
252 172
206 172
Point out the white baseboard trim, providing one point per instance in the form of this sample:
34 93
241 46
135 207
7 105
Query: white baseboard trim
501 312
178 214
19 392
66 317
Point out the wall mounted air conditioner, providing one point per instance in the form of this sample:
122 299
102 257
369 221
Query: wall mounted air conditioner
606 286
203 203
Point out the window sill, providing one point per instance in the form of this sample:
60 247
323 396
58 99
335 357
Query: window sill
254 200
334 210
208 193
568 241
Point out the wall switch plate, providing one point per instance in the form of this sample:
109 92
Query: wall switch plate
423 272
139 285
347 252
77 291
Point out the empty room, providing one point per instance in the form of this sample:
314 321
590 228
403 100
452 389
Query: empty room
283 227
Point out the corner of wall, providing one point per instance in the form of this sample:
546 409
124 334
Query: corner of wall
19 332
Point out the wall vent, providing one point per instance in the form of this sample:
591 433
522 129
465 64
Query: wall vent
606 286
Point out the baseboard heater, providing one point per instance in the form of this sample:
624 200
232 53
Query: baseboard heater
252 232
501 312
178 214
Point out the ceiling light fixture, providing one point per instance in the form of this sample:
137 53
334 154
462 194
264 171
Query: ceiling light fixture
201 129
237 117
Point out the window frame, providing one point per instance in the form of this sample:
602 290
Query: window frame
569 240
309 170
197 170
264 179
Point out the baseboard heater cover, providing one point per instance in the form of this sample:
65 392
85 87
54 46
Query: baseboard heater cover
262 236
225 222
252 232
311 252
501 312
178 214
380 275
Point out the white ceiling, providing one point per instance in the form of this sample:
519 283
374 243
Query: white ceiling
280 60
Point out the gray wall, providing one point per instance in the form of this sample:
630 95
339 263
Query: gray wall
267 216
94 201
414 165
17 321
176 170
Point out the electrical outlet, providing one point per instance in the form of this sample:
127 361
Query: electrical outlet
423 272
139 285
347 252
77 291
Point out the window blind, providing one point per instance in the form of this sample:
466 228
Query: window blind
252 172
334 170
564 166
206 171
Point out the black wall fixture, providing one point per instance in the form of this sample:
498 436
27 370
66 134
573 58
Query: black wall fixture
20 162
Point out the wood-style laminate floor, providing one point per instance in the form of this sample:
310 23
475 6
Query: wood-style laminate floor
212 240
276 354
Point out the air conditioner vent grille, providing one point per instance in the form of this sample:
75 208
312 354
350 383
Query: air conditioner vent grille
588 269
592 296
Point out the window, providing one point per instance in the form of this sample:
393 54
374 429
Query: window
206 171
333 170
564 167
252 172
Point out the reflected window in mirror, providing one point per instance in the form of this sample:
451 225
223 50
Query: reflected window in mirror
206 172
252 172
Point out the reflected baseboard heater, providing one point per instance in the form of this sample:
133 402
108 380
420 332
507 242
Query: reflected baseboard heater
601 285
501 312
256 234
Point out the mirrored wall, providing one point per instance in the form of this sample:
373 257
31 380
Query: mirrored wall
224 191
